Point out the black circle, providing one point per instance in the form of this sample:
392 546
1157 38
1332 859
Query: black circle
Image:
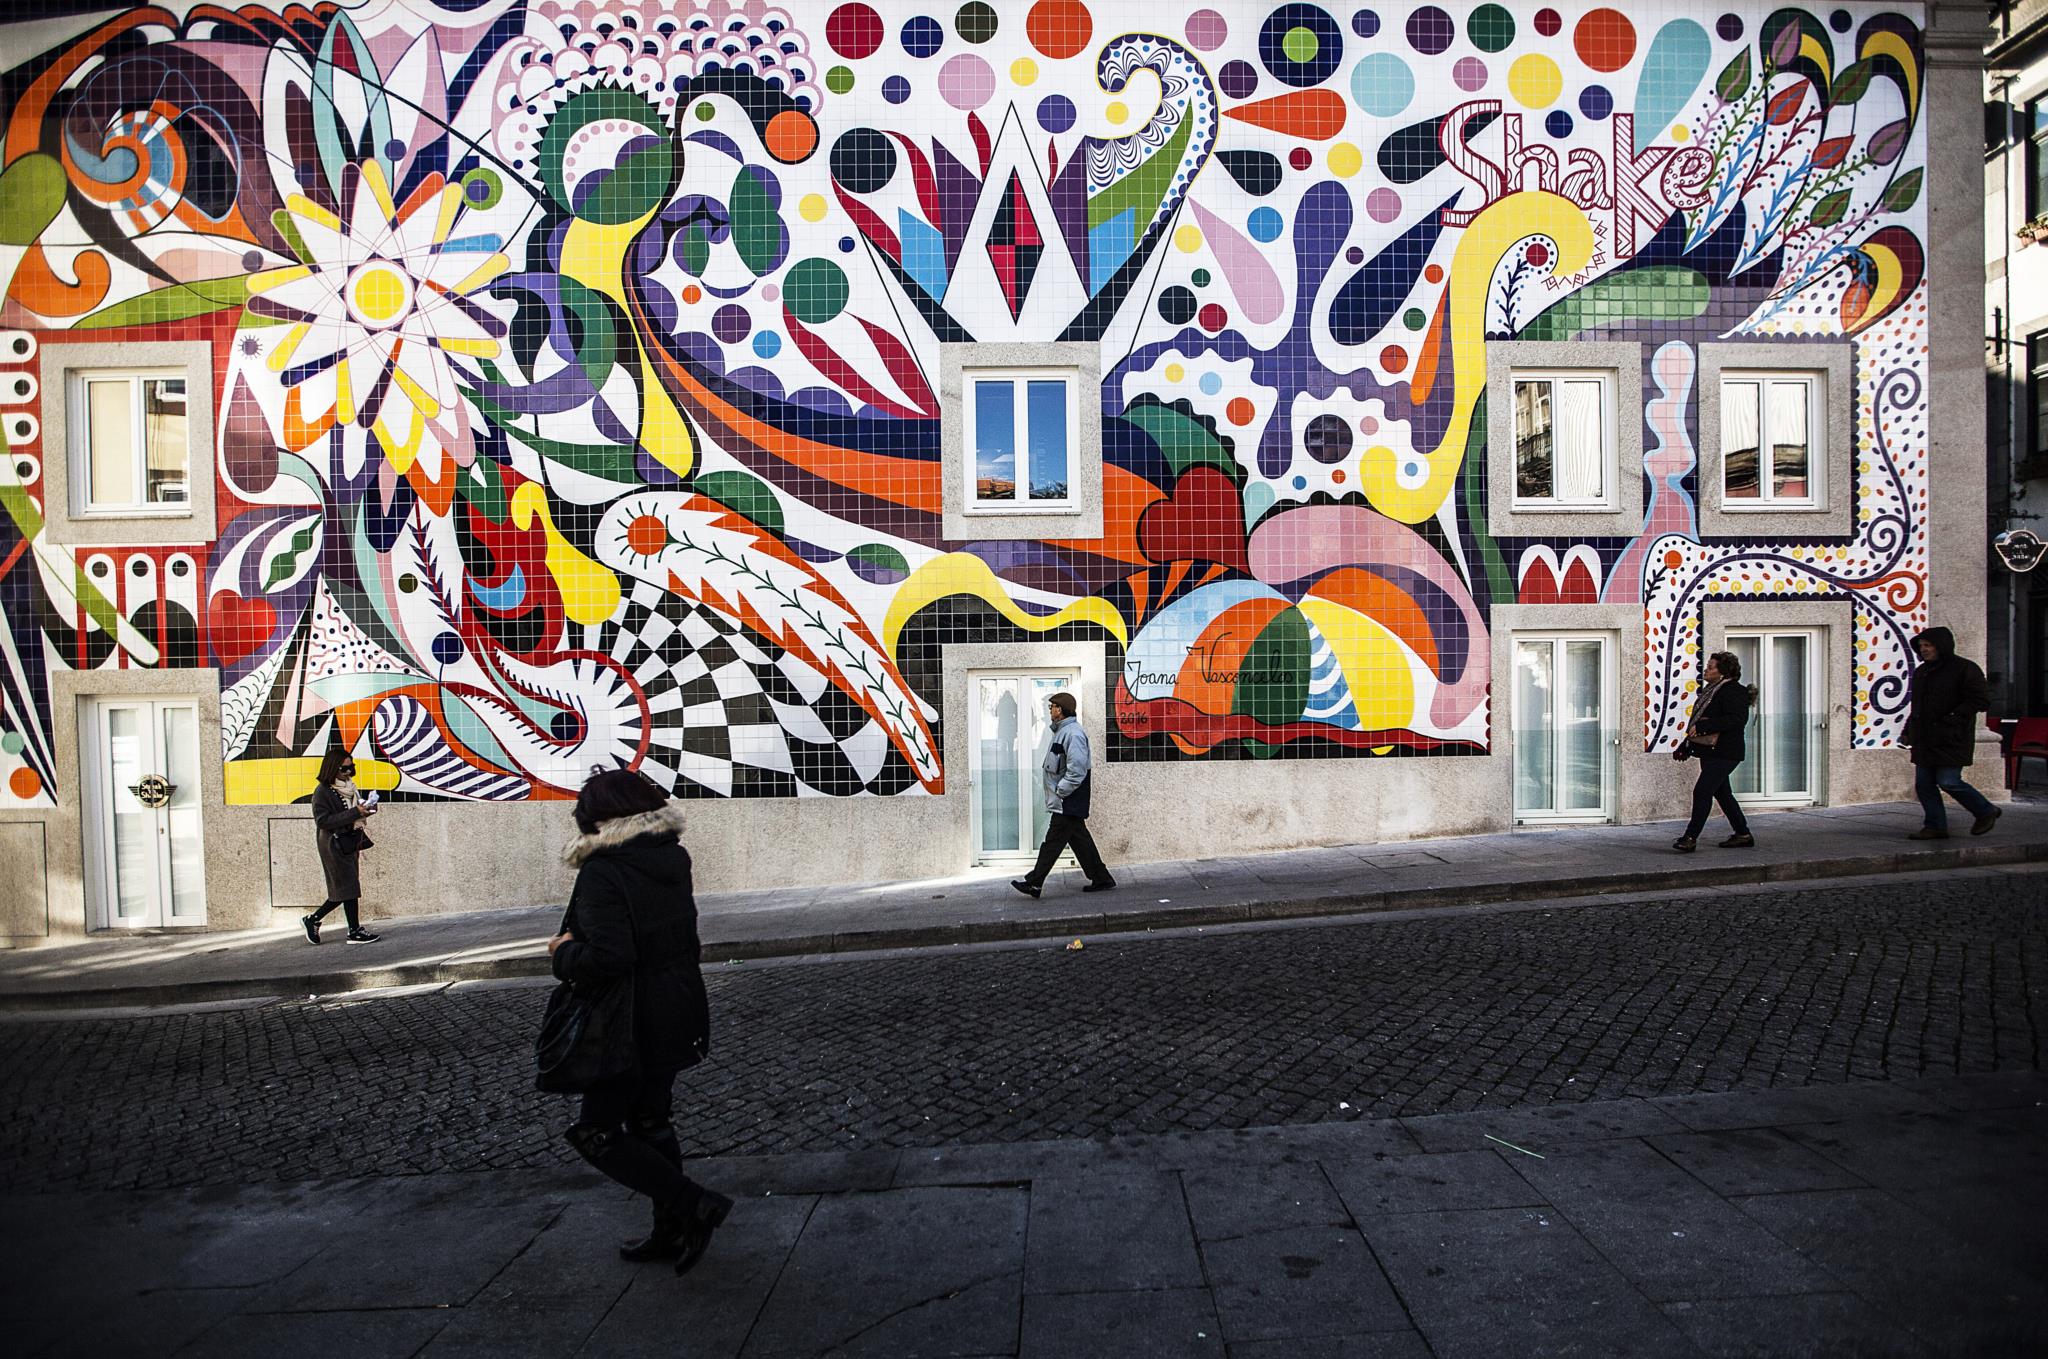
181 568
976 22
99 568
407 583
863 160
1177 306
1328 438
1285 69
138 567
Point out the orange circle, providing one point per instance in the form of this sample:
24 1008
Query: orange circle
1673 560
1605 40
647 535
1434 273
1240 411
1058 28
24 783
693 294
791 136
1393 358
1337 477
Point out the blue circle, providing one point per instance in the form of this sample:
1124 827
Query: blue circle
1300 483
1558 124
1265 224
1595 102
1210 384
1365 23
846 245
895 89
767 344
923 36
1382 85
1056 113
447 648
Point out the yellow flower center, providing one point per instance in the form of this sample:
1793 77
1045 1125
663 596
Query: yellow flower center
379 293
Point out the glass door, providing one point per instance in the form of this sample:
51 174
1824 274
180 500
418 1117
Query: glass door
147 857
1008 734
1784 738
1564 729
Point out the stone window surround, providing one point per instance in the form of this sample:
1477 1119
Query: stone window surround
1622 361
196 522
960 659
1834 516
1623 625
1084 519
1835 622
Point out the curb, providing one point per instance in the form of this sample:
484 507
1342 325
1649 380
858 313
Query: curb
1333 906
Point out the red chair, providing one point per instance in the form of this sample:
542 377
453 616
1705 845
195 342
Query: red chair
2028 738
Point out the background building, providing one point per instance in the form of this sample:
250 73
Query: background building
1374 414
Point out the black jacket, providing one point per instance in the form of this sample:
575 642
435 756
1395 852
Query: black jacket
1727 716
1948 693
337 865
632 912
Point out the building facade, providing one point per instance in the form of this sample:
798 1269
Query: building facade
2016 353
1373 414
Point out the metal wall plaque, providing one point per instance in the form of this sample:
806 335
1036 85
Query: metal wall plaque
154 791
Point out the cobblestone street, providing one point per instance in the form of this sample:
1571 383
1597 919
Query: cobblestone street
1706 992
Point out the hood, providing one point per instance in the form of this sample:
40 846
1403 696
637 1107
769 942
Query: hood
667 821
1944 642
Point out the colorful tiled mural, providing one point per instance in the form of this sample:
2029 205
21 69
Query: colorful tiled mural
576 392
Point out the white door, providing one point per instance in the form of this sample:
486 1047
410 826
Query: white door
1784 740
145 858
1008 732
1564 728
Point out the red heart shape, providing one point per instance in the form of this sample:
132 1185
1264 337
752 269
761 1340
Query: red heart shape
1203 520
235 626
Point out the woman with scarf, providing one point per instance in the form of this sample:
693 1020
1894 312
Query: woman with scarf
339 812
1714 734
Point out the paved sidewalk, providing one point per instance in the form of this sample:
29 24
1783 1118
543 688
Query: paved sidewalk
178 967
1867 1219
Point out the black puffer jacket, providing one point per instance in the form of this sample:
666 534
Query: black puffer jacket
632 912
1948 693
1726 719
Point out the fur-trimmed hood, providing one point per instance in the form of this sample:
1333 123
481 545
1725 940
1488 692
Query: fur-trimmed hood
667 820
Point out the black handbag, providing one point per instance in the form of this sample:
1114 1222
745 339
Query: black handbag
586 1033
354 840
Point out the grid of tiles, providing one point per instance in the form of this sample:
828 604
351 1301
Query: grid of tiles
576 362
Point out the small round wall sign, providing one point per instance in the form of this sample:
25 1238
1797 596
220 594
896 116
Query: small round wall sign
154 791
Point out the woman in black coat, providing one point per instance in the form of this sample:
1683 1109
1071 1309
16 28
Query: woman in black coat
1948 693
338 816
1714 735
632 915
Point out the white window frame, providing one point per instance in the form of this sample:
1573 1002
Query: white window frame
1764 502
1610 470
77 381
1610 742
1020 379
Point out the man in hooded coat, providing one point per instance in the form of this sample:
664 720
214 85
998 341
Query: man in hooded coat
1948 693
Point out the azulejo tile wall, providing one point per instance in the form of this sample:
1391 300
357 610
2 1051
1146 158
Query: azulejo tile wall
575 363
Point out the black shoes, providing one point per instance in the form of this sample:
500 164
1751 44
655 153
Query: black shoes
312 924
1106 885
1983 824
1933 833
703 1221
1685 844
360 935
1742 841
664 1241
1025 887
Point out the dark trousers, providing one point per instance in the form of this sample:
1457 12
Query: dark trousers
1067 830
1931 781
624 1129
348 909
1710 788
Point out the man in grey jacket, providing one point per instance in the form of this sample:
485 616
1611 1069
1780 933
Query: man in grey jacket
1067 774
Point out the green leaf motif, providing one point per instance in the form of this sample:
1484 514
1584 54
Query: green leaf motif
1829 210
1734 78
179 302
285 563
749 497
1852 83
883 562
1904 192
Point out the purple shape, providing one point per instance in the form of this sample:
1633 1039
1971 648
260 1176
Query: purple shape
1056 113
1365 23
1238 79
1430 30
1595 102
731 323
895 89
1729 26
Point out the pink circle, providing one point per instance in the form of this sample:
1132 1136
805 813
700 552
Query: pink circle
769 292
1368 425
967 82
1383 205
1470 73
1206 30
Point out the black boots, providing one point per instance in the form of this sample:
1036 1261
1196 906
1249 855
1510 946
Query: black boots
680 1233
